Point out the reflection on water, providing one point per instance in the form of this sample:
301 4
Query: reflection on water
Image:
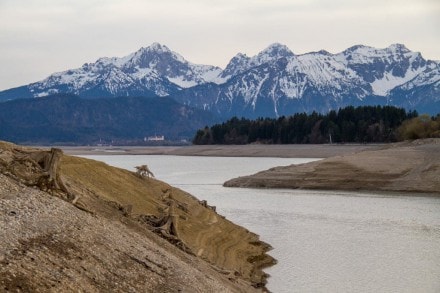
324 241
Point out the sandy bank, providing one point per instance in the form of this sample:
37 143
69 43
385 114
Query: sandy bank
284 151
68 223
403 167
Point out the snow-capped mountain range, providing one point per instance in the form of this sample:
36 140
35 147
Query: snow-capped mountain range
274 82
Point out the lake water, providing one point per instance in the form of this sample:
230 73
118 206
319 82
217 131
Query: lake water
324 241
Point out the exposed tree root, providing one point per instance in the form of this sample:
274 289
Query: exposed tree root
36 168
167 224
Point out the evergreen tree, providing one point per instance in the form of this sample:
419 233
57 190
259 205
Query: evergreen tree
347 125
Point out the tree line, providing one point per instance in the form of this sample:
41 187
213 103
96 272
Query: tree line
363 124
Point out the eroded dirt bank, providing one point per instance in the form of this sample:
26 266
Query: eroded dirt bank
404 167
72 224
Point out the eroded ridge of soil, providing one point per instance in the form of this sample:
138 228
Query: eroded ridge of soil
404 167
72 224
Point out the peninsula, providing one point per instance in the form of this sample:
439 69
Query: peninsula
410 167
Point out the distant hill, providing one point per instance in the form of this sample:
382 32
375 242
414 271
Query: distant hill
273 83
70 119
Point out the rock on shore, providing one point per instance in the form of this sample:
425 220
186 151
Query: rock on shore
72 224
404 167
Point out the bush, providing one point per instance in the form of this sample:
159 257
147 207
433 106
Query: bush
420 127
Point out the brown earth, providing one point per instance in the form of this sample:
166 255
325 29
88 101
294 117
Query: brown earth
403 167
72 224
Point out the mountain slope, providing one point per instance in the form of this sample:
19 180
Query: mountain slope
70 119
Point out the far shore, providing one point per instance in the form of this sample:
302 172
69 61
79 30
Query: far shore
254 150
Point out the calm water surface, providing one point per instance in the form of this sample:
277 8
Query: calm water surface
324 241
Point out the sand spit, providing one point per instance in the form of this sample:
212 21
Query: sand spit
403 167
72 224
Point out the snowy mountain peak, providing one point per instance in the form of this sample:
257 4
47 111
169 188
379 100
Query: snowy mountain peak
383 69
366 52
324 52
164 62
238 63
153 55
241 56
241 62
276 51
398 48
157 47
356 48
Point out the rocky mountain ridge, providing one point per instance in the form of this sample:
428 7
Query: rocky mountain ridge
321 81
272 83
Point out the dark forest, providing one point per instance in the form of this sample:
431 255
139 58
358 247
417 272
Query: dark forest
366 124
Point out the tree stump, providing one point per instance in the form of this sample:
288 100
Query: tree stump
144 171
35 168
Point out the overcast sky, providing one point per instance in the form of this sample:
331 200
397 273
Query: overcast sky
39 37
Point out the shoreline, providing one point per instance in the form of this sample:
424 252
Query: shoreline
405 168
254 150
